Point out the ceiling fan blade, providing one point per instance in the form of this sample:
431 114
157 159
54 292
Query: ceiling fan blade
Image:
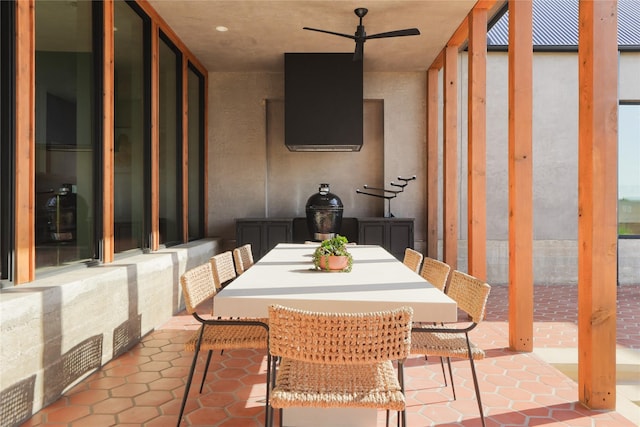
359 53
397 33
330 32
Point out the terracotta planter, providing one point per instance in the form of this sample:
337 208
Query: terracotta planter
336 262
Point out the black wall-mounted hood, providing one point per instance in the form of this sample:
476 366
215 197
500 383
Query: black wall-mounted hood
323 102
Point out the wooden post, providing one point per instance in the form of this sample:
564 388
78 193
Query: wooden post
477 134
185 149
25 242
450 157
597 203
154 232
107 247
520 176
432 163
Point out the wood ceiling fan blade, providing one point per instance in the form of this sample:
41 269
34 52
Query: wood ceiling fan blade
330 32
397 33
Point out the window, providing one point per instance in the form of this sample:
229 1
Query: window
628 169
7 64
196 154
65 146
170 136
131 128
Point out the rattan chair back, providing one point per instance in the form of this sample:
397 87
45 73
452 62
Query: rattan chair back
412 259
339 338
243 257
223 269
197 286
435 272
471 294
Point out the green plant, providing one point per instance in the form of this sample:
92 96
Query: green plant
335 246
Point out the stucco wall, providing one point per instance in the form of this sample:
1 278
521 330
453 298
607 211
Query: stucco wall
57 329
242 169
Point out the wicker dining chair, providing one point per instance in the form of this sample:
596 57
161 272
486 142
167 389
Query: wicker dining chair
435 272
243 257
412 259
223 269
471 295
215 334
331 360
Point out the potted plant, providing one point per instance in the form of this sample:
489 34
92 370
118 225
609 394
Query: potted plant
332 255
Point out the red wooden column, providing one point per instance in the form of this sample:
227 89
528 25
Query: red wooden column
520 176
477 134
24 257
155 138
450 158
107 247
432 162
597 203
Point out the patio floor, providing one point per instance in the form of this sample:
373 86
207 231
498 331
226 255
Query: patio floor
144 387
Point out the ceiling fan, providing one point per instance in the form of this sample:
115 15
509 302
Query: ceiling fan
361 36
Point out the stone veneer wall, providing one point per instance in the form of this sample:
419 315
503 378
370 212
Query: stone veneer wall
57 329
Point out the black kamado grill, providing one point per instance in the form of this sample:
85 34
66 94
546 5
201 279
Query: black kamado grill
324 214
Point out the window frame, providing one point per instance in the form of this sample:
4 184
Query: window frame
621 103
7 139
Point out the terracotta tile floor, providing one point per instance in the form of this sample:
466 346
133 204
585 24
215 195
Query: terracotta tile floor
144 387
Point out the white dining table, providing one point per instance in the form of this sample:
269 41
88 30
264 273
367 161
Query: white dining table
378 281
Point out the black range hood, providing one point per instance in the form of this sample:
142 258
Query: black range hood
323 102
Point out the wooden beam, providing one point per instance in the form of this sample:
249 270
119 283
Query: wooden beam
597 202
205 141
460 35
432 163
450 157
477 134
168 31
155 139
185 149
438 63
24 259
107 247
520 175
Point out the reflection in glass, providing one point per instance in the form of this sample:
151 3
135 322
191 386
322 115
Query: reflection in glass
65 145
196 150
128 180
170 218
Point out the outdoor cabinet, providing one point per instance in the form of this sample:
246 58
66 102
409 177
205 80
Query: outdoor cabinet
263 233
393 234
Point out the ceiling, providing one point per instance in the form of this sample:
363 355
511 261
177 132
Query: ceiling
261 31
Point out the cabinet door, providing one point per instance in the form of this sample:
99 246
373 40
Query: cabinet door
372 233
276 232
249 232
400 238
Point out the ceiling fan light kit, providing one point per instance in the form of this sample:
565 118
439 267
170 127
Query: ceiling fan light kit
361 36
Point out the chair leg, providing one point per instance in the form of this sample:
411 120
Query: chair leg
188 386
443 373
453 386
206 369
475 378
401 380
266 406
477 387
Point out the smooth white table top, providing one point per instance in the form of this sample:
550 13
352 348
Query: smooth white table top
377 281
